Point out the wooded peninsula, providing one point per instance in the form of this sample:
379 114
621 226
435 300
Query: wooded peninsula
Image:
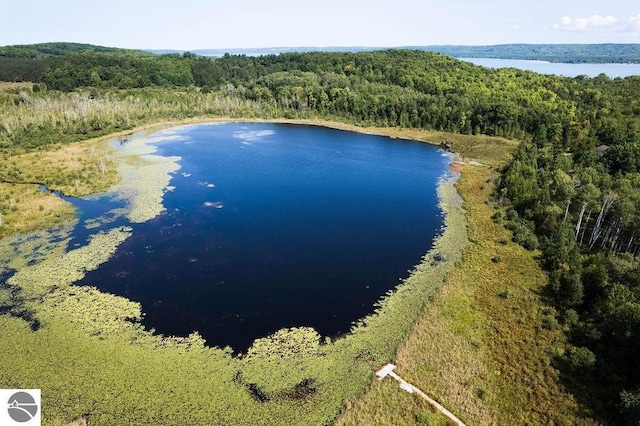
545 298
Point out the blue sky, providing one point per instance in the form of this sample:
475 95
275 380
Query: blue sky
198 24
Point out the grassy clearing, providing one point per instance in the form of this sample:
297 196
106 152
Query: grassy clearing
75 170
482 348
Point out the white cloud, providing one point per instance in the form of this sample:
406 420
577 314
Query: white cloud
602 21
627 27
583 24
572 24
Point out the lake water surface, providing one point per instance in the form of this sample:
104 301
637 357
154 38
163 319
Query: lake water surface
273 226
563 69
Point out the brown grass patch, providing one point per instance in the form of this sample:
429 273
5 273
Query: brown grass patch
456 167
76 169
15 85
506 295
24 208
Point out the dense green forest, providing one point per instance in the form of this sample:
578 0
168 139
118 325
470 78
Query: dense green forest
570 189
44 50
578 193
384 88
67 66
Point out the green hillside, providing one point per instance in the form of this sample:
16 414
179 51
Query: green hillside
45 50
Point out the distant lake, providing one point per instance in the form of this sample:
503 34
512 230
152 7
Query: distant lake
273 226
567 70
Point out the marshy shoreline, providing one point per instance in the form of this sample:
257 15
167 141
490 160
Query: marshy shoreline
338 370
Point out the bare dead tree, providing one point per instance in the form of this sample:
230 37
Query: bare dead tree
607 202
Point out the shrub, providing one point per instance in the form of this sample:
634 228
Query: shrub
498 217
523 235
571 317
549 322
581 357
631 405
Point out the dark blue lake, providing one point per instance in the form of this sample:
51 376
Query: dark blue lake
273 226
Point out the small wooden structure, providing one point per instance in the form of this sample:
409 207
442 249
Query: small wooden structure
387 370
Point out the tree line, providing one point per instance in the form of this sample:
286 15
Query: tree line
384 88
389 88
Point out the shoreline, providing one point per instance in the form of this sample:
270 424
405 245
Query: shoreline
491 150
392 132
27 217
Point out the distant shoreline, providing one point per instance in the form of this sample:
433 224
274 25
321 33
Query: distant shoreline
602 53
572 70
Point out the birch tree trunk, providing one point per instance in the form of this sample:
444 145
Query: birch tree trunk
597 229
586 223
579 224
